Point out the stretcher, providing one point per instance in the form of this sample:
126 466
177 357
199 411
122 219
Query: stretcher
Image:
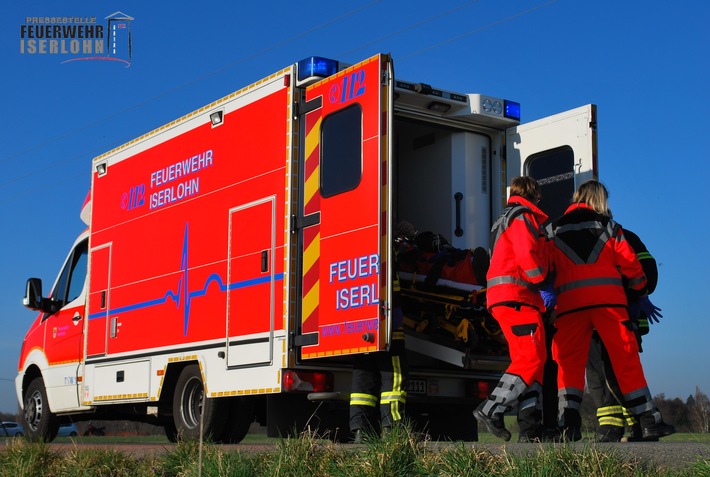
444 303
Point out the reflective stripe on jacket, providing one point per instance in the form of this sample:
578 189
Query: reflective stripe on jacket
591 257
519 256
648 263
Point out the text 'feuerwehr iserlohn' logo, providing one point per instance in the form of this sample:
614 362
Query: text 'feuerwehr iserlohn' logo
78 38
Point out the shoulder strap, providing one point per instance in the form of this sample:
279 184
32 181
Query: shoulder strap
503 222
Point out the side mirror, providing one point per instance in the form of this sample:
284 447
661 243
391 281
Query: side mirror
33 297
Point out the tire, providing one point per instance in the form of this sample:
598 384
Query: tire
171 432
73 434
40 423
241 415
189 406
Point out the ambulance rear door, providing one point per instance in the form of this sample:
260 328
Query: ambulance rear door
559 151
344 215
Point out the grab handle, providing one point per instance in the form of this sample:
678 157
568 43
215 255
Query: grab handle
458 197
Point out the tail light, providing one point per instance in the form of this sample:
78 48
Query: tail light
307 381
479 389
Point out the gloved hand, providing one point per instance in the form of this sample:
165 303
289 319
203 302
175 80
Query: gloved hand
649 309
549 298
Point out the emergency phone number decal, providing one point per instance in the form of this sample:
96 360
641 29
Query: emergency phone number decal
351 86
170 184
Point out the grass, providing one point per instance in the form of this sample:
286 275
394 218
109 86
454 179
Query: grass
400 453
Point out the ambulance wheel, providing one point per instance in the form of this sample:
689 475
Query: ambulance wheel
171 431
41 424
190 405
241 415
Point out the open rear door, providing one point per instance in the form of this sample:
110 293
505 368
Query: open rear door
344 216
559 151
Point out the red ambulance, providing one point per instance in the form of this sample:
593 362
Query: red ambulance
237 257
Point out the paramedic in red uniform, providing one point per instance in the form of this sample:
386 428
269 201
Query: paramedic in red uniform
519 266
602 385
591 258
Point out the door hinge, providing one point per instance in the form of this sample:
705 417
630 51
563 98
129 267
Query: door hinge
297 223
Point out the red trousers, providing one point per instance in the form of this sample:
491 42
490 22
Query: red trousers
525 333
570 347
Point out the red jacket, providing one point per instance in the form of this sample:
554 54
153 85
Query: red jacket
590 257
519 259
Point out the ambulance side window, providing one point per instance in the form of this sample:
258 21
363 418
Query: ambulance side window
341 151
71 281
78 274
554 171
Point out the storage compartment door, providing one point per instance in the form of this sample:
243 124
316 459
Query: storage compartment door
250 298
345 212
559 151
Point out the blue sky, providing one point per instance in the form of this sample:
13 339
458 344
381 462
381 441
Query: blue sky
643 64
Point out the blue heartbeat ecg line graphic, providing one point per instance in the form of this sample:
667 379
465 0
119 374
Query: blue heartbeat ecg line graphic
185 268
183 297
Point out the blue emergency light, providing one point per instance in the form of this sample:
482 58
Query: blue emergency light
316 66
512 110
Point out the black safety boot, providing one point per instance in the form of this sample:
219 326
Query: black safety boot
494 424
656 431
530 425
551 434
609 433
636 435
571 426
652 430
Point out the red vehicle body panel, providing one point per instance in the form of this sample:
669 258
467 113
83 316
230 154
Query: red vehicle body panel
166 249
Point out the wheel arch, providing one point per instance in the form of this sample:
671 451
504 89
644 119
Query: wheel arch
29 375
172 373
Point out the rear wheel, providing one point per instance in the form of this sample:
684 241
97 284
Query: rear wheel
171 431
40 423
241 415
190 405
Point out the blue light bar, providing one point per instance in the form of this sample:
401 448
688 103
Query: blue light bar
316 66
512 110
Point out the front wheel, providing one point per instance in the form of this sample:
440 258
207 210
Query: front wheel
190 405
40 423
